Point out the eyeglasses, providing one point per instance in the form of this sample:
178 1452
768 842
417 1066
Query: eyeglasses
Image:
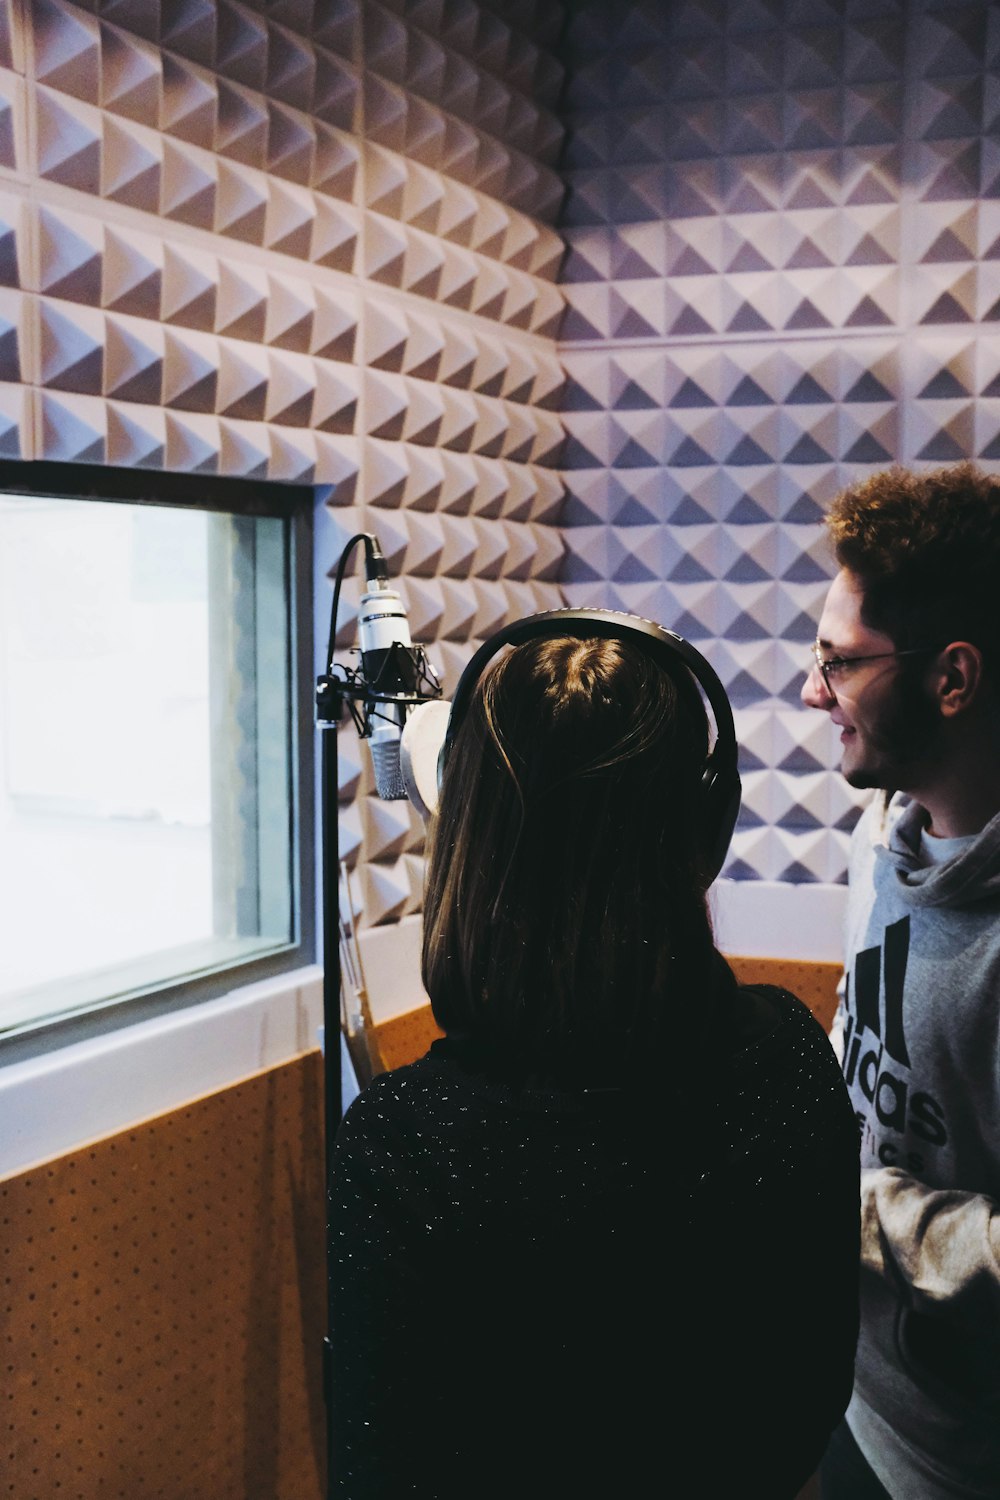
832 667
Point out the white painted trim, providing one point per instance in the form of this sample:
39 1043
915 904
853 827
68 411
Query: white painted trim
67 1098
767 919
390 960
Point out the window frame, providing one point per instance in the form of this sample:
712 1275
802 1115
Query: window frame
294 505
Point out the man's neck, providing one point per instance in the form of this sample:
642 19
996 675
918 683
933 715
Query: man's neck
961 802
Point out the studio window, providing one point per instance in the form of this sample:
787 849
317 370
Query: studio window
154 737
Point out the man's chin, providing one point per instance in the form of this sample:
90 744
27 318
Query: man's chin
892 773
861 779
864 778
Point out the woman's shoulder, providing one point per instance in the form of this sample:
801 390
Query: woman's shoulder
753 1020
763 1010
787 1084
395 1087
388 1102
770 1026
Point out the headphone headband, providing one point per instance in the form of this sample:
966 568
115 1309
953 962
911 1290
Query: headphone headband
720 780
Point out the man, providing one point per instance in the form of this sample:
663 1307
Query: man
907 665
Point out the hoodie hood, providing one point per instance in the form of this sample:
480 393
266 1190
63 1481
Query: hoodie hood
973 875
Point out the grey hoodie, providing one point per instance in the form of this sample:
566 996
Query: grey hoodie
919 1036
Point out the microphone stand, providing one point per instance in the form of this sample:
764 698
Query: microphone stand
333 694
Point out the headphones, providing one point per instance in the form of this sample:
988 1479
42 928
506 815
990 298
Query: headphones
430 731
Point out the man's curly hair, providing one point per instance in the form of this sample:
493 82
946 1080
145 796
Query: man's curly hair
926 548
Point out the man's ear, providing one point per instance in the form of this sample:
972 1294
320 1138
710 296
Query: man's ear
958 677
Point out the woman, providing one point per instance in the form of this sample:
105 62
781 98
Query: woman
603 1238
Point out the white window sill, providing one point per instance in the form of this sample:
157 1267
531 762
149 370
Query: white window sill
64 1099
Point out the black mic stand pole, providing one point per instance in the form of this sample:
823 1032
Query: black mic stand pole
329 709
333 694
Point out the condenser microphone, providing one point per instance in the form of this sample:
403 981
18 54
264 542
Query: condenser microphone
395 673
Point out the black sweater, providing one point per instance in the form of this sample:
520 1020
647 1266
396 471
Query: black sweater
638 1291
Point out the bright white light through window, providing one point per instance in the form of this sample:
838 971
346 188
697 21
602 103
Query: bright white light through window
144 748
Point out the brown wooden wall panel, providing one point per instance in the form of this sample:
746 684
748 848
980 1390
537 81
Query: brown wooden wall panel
404 1038
164 1306
814 983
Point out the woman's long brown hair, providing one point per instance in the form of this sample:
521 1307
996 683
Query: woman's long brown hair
565 920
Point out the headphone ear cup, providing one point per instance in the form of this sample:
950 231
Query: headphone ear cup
420 746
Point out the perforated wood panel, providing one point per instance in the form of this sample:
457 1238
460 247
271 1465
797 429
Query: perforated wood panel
407 1037
814 983
163 1307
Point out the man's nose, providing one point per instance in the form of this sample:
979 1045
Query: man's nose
815 693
